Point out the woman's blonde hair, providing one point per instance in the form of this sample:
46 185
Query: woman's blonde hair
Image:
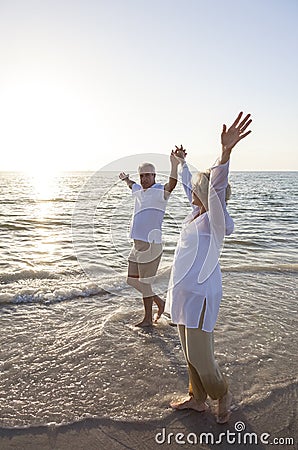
200 185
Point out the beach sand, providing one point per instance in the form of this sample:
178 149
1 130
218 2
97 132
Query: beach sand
275 415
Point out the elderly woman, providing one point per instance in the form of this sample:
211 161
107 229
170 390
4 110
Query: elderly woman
195 288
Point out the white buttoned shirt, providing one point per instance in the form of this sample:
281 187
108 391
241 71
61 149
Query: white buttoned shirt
149 211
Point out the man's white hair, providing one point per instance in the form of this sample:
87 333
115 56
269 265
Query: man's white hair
146 168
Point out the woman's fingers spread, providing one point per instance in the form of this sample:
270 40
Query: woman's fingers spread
244 120
234 124
245 126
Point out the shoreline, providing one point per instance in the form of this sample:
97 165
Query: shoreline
272 418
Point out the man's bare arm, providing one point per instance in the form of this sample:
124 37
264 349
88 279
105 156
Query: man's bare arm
171 184
177 156
125 177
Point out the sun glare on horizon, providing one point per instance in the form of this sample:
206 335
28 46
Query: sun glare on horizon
44 184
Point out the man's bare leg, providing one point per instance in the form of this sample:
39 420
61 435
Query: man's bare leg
161 307
190 403
147 321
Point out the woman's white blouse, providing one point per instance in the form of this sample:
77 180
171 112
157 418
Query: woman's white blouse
196 274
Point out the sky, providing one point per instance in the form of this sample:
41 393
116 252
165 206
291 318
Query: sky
84 83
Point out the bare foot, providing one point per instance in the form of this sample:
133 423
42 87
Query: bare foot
190 403
224 405
161 307
144 323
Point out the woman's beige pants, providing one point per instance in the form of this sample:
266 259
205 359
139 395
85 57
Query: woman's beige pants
205 378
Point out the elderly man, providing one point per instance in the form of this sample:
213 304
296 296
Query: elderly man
150 204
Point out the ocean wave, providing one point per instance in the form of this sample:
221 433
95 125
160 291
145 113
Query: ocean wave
261 268
48 295
26 274
45 286
15 227
7 278
50 200
247 268
246 243
14 201
32 224
31 274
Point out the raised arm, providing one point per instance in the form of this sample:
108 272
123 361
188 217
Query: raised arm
125 177
217 211
219 220
171 184
219 174
186 176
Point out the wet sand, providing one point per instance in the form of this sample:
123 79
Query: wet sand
276 416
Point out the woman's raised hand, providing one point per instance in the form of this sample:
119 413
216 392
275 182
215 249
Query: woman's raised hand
231 136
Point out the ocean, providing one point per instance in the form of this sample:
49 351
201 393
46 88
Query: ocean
69 348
